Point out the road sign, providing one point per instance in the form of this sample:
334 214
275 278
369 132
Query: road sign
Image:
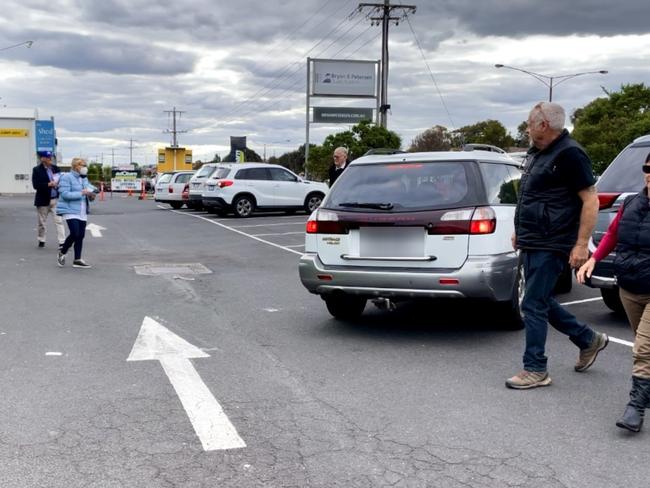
44 135
341 115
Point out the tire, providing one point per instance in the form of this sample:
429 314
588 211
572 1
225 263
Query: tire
176 205
345 307
565 281
243 206
312 202
511 310
612 300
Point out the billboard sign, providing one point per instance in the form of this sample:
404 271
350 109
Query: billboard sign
45 135
341 115
344 78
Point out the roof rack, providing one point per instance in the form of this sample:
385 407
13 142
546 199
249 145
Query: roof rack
383 151
483 147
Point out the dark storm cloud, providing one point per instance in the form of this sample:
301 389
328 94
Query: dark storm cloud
517 18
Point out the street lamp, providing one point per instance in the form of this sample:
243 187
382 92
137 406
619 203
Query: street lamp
24 43
551 81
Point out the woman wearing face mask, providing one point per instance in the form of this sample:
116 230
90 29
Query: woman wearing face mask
629 233
74 194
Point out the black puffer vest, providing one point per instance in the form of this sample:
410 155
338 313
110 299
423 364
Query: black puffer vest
632 262
548 212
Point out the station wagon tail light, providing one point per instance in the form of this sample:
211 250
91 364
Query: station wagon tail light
484 221
606 200
324 222
480 220
224 183
171 189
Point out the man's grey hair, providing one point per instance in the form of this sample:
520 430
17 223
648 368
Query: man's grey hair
552 113
342 149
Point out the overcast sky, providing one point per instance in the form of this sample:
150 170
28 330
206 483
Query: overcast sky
108 70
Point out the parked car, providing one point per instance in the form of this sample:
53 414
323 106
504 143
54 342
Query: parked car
417 225
244 188
169 188
197 185
623 177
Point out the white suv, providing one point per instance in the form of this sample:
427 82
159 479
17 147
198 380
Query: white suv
417 225
197 185
245 187
170 186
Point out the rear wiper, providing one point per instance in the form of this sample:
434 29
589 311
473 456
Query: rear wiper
378 206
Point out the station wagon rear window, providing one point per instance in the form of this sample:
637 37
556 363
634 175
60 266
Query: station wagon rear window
165 177
404 187
205 171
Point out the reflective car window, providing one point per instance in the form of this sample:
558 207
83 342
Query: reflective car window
164 178
625 174
500 183
253 174
278 174
403 187
221 172
183 178
205 171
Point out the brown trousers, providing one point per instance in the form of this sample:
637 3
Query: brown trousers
637 309
43 212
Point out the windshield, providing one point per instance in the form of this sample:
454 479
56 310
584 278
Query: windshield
625 174
164 178
221 172
205 171
402 187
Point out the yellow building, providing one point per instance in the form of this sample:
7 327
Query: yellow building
174 159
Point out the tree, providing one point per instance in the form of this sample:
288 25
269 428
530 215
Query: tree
608 124
94 172
522 139
436 138
486 132
359 139
216 158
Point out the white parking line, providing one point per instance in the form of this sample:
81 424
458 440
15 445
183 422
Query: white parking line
278 234
268 225
238 231
595 299
297 245
621 341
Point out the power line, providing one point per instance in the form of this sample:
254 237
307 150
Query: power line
431 74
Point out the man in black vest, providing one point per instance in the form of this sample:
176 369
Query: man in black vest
45 180
554 219
340 163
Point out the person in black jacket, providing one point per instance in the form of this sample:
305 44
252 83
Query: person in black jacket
340 163
555 216
45 180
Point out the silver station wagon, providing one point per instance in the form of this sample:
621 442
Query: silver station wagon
417 225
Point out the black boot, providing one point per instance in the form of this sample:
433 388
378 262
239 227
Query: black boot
632 418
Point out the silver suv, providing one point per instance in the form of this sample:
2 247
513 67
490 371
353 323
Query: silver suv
418 225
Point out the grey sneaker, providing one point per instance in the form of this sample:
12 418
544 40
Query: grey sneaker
80 263
60 259
588 356
528 379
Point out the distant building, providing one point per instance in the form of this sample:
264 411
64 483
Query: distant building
21 133
174 159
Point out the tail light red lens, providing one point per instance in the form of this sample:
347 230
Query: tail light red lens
171 189
323 222
606 200
484 221
480 220
224 183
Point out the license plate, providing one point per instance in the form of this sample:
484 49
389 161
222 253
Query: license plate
391 242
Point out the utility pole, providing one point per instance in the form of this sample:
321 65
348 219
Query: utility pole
173 130
112 157
386 13
131 151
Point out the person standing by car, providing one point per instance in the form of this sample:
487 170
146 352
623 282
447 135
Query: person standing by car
555 215
629 233
339 165
45 180
75 193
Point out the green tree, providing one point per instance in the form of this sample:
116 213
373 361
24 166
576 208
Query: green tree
359 139
522 139
486 132
608 124
437 138
216 158
94 172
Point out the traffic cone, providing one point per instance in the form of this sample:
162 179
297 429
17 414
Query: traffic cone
101 191
141 197
130 192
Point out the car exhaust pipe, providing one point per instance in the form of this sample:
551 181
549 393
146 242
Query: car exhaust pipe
384 304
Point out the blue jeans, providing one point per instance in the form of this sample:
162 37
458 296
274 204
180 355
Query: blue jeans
77 232
539 307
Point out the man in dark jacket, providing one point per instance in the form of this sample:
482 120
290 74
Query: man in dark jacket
340 163
554 219
45 180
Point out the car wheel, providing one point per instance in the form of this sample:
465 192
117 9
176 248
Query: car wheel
243 206
176 205
612 299
513 319
345 307
565 281
313 201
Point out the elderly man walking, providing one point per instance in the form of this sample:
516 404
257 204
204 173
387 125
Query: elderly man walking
340 163
45 180
554 219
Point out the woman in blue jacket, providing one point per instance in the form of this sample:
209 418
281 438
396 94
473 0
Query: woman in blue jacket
74 194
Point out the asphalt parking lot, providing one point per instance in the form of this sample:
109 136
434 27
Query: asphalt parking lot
413 397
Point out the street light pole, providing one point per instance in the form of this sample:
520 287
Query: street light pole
551 81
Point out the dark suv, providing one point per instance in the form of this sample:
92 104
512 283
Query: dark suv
623 177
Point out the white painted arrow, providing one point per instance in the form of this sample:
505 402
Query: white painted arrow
95 230
155 342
